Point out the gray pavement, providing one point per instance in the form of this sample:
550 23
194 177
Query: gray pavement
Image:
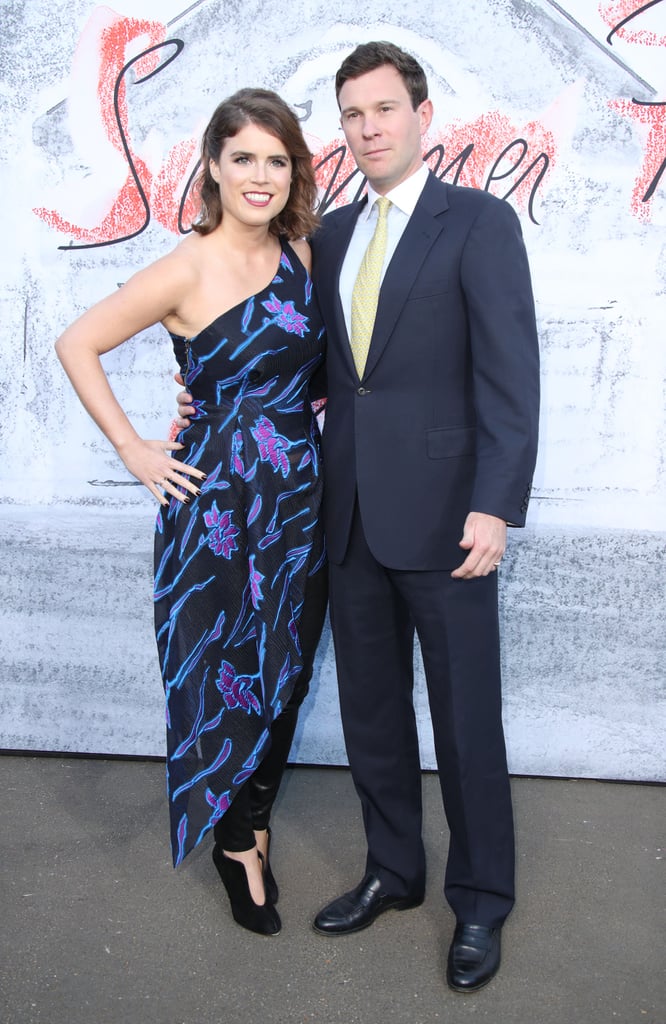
97 927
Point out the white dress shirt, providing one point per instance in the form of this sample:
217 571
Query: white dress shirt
404 198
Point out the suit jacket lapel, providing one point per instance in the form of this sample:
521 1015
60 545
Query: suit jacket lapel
328 271
424 226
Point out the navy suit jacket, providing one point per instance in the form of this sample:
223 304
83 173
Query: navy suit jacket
444 420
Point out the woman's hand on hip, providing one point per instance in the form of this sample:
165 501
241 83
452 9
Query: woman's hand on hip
151 463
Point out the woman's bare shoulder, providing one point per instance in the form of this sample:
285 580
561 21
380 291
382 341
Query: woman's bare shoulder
303 251
183 263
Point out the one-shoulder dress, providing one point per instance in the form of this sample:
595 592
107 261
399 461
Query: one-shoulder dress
231 566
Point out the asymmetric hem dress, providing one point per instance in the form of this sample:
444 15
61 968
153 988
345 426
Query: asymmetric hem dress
231 566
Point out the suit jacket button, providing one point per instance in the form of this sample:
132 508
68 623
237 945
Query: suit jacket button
363 391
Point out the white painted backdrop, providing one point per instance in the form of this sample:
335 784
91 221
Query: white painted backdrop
558 107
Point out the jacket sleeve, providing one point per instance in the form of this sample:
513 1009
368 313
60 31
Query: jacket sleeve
505 361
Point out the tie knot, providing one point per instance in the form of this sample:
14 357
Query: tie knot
382 204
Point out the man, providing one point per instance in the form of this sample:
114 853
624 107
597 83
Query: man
429 446
432 440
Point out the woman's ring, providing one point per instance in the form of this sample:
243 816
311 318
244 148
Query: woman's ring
497 563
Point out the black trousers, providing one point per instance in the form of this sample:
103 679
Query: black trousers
252 805
374 614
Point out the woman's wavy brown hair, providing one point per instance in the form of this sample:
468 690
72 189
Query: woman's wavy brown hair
268 111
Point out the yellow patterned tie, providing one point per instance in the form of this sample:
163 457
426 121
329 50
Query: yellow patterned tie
366 288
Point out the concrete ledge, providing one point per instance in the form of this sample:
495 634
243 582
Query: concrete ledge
583 622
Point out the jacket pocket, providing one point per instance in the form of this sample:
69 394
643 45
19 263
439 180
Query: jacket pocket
450 442
429 289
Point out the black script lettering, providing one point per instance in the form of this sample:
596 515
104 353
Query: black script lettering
542 159
179 46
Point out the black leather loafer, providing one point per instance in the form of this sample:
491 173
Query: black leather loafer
359 908
474 957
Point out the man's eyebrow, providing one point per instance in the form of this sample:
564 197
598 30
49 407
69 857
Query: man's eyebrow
377 103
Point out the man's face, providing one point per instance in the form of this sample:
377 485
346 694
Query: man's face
382 129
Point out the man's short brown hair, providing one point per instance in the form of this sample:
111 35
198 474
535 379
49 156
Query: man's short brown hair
370 56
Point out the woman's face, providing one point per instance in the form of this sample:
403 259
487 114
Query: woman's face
254 175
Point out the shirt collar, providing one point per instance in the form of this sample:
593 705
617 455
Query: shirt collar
405 195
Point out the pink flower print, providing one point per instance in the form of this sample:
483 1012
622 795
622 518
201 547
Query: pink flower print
220 804
256 579
236 690
286 317
223 533
273 447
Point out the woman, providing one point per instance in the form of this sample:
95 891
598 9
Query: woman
240 587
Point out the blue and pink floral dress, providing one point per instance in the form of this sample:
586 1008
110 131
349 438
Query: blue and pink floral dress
231 566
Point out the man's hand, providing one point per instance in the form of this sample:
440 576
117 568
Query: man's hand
185 407
484 537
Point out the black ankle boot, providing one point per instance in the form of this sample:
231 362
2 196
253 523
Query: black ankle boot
270 885
262 919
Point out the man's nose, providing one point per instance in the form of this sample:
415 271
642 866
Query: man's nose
370 128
